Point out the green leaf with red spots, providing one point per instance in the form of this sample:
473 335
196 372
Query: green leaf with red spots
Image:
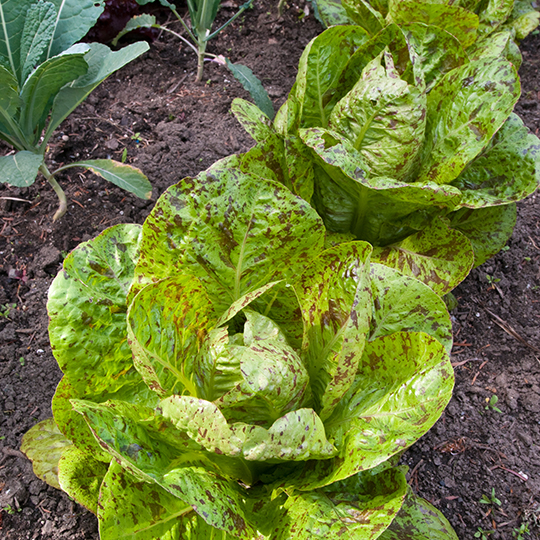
335 297
438 255
236 232
465 110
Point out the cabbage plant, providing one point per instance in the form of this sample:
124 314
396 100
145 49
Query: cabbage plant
44 76
418 154
229 372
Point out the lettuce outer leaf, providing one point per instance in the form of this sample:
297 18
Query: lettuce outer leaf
43 445
402 302
356 508
508 171
124 510
80 475
438 255
488 229
419 520
87 307
235 232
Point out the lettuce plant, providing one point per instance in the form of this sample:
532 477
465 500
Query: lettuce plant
230 373
418 154
43 78
475 23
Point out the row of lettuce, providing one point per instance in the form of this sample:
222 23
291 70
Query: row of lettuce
252 361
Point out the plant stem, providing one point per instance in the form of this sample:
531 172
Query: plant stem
62 207
200 60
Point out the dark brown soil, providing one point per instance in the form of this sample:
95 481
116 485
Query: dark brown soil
173 127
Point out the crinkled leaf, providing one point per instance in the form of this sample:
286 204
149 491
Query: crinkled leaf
253 85
38 30
438 51
524 19
384 119
217 500
129 508
43 445
80 476
101 63
297 436
125 176
275 380
235 232
460 22
9 97
488 229
319 69
75 18
138 21
508 171
41 88
88 331
357 508
166 324
419 520
20 169
402 303
465 109
437 255
335 297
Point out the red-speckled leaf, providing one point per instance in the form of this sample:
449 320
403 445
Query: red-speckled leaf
508 171
419 520
88 332
350 200
80 475
402 303
465 109
335 297
166 324
236 232
438 256
357 508
189 475
319 69
488 229
130 508
458 21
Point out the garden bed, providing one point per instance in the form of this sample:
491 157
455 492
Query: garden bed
173 127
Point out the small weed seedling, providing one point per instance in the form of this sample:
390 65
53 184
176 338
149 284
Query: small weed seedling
492 404
482 533
492 280
491 499
5 309
521 531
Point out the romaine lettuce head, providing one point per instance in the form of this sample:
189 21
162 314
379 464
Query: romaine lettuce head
393 142
227 368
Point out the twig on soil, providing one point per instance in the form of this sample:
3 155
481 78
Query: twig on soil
15 199
510 331
534 243
520 475
478 372
457 364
